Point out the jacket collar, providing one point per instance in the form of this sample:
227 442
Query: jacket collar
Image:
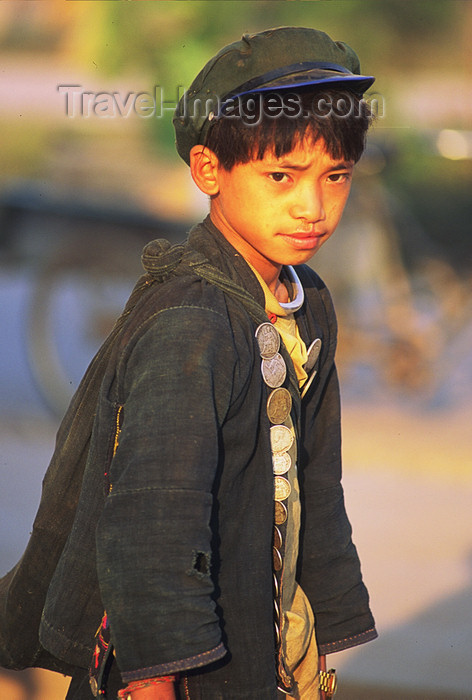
207 239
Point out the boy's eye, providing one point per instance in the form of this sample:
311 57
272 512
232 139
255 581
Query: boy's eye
339 177
277 177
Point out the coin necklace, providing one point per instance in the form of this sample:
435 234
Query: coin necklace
278 406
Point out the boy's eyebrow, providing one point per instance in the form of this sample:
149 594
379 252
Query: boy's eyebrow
341 165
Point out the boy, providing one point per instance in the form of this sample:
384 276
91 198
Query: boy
222 552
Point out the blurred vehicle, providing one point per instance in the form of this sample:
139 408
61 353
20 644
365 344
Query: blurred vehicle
84 258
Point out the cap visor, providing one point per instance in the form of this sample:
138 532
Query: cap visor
316 76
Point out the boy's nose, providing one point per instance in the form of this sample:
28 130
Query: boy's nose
309 205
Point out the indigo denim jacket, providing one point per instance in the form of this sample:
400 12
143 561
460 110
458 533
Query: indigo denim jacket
173 531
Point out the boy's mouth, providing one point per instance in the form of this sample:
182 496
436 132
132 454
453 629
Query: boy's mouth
305 239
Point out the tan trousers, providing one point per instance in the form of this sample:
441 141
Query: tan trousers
301 651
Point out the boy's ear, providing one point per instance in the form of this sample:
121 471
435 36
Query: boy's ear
204 169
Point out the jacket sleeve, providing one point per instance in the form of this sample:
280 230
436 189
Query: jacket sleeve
154 540
329 566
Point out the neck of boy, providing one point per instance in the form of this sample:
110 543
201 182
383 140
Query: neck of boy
280 292
271 274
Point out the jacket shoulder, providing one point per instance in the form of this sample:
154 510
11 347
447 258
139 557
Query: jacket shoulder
317 294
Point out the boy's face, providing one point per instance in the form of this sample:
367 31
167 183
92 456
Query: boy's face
280 211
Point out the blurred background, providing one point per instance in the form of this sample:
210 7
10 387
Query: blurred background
89 173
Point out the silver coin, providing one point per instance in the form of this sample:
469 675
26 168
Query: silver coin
308 383
313 353
281 438
274 371
279 405
268 339
281 462
282 488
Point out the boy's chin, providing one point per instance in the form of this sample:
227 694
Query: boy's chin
300 258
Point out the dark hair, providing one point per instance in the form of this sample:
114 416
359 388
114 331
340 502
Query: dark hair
249 125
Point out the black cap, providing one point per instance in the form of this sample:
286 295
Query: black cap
285 57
